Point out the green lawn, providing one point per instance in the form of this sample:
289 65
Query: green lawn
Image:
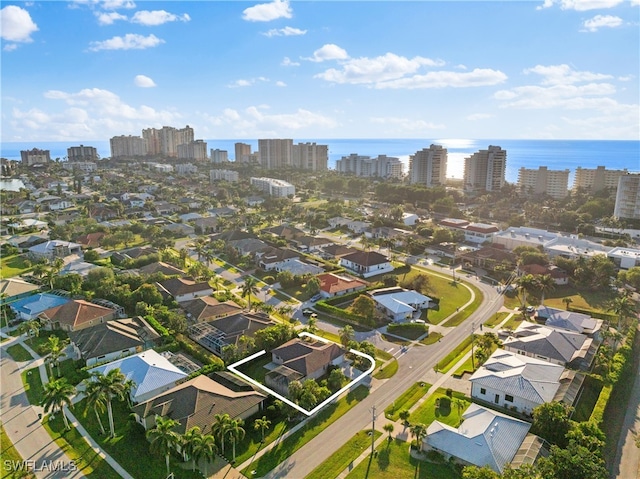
387 371
406 400
73 444
454 356
255 368
19 353
432 338
446 412
9 456
587 400
14 266
466 312
32 383
496 319
315 426
38 343
394 462
411 332
395 340
513 322
340 460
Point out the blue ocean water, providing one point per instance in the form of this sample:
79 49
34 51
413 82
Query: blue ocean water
555 154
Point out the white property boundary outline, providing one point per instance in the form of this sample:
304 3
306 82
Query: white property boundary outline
232 368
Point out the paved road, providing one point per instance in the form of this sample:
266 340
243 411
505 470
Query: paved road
23 427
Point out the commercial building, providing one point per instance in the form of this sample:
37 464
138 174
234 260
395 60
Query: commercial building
628 197
275 153
485 170
242 152
274 187
193 150
428 167
596 179
35 157
543 182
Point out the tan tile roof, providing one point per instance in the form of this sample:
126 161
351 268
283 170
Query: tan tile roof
77 313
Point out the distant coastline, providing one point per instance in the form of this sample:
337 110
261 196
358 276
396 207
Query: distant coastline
555 154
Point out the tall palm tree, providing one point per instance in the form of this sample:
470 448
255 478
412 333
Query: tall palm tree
404 416
96 398
248 288
219 428
545 284
163 438
346 335
389 428
31 327
114 386
525 284
190 445
418 431
55 349
207 450
57 394
262 424
622 307
236 433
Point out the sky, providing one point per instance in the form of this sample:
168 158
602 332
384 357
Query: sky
93 69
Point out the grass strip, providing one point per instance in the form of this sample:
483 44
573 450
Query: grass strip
406 400
454 356
32 383
11 459
387 371
343 457
466 312
493 321
432 338
19 353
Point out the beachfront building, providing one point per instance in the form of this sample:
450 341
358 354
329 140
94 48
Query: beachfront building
219 156
274 186
485 170
194 150
82 153
382 166
35 157
310 156
428 167
275 153
83 166
543 182
242 152
127 146
596 179
164 141
628 197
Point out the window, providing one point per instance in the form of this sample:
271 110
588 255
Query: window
483 391
508 397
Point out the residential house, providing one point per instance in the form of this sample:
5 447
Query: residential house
275 258
196 402
253 201
514 381
286 232
299 268
490 257
332 284
31 307
338 221
208 308
161 267
300 360
206 224
54 249
118 338
13 289
249 246
566 348
179 229
410 219
399 304
132 253
182 289
75 315
312 243
90 240
78 267
358 227
569 321
485 438
28 224
165 208
366 263
337 251
150 372
559 276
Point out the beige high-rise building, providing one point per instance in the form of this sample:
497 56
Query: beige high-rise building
82 153
275 153
35 157
165 141
628 197
485 170
127 146
596 179
553 183
242 152
309 156
428 167
219 156
193 150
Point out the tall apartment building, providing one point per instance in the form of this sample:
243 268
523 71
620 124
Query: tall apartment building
382 166
82 153
274 186
553 183
165 141
485 169
596 179
127 146
219 156
243 152
275 153
35 157
628 197
226 175
428 167
193 150
309 156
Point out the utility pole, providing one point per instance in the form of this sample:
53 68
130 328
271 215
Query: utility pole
373 429
473 340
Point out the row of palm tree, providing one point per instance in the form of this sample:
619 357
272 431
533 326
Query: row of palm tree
101 390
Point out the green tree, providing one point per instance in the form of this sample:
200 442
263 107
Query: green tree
190 445
419 432
163 438
346 335
96 399
113 384
236 433
207 450
57 394
545 284
262 424
475 472
219 428
552 422
55 350
388 427
248 288
573 462
364 306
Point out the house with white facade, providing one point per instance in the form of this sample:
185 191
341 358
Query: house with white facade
625 258
55 249
569 320
184 289
366 263
399 304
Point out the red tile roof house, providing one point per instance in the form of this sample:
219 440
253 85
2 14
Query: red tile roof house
184 289
91 240
558 275
76 315
299 360
336 285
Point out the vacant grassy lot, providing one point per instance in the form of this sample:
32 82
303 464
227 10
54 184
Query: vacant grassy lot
587 400
14 266
19 353
406 400
340 460
440 407
463 314
393 461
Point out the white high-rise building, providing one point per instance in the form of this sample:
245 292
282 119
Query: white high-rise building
382 166
275 153
628 197
309 156
553 183
596 179
274 186
485 170
428 167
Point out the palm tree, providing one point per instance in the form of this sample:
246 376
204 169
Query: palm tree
236 433
262 424
248 288
567 301
460 404
525 283
389 428
163 438
622 307
418 431
114 386
346 335
545 284
190 444
404 416
207 450
96 399
54 347
57 394
31 327
219 428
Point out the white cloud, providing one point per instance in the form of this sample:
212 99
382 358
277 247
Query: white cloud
144 81
117 4
448 79
601 21
284 32
635 3
157 17
17 25
479 116
404 125
564 74
375 70
281 84
581 5
109 18
247 82
573 97
327 52
286 61
265 12
131 41
9 47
